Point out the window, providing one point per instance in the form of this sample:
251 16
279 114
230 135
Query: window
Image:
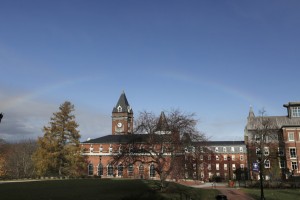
90 169
100 169
233 166
120 149
225 157
233 157
225 166
201 157
242 166
110 170
257 150
130 170
217 149
217 157
257 138
120 170
224 149
101 148
294 165
152 170
119 109
241 149
91 149
217 166
295 111
282 164
291 136
266 151
141 170
209 166
267 164
110 148
293 152
209 157
201 166
241 157
232 149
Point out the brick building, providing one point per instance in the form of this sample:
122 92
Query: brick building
215 159
279 146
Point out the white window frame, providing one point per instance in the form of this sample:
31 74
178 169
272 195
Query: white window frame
216 149
241 149
232 149
241 157
295 150
217 157
267 164
266 151
295 111
217 166
224 149
291 136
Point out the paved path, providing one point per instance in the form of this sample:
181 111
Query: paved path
231 193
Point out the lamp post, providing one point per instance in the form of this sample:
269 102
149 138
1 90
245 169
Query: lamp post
260 162
228 159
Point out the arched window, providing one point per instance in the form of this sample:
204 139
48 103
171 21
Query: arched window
90 169
152 170
110 170
100 169
120 170
130 170
141 171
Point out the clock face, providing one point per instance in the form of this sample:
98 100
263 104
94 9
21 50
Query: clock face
119 124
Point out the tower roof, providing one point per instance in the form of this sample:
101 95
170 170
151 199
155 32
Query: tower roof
162 124
122 105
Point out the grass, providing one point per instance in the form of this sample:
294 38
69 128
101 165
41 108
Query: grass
99 189
275 194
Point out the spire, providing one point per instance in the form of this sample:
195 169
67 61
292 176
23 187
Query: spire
122 105
251 113
162 125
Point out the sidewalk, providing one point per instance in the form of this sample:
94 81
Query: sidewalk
231 193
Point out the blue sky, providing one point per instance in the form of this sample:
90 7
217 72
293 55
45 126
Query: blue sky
213 58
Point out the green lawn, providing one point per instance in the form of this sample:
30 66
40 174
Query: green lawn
104 189
275 194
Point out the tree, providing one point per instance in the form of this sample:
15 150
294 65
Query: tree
58 151
264 145
18 159
161 143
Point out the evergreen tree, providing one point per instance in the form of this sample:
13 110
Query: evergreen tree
58 151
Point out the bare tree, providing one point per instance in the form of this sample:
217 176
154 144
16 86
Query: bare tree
264 145
161 141
18 162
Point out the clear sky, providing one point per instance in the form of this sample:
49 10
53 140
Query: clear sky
213 58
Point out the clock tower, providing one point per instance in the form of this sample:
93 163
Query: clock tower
122 117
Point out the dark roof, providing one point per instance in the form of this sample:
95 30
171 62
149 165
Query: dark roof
277 121
123 102
122 139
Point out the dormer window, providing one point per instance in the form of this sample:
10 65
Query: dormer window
119 109
295 111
